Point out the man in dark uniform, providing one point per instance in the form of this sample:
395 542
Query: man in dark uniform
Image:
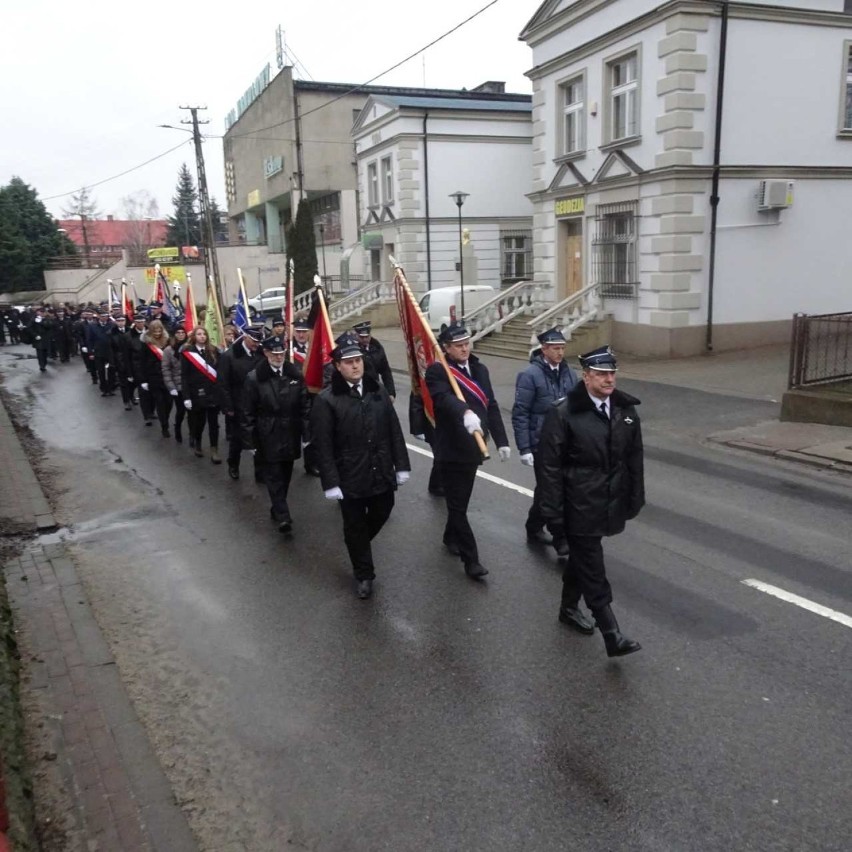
80 332
361 454
64 337
121 360
41 330
456 452
547 380
301 335
374 354
99 344
233 367
592 483
275 416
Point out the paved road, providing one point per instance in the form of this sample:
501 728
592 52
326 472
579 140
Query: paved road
451 715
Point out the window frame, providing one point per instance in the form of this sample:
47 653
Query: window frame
514 252
844 129
578 108
615 250
373 184
387 179
633 86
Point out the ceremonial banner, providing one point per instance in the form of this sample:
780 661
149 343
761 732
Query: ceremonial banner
164 296
243 314
322 342
126 305
213 324
190 316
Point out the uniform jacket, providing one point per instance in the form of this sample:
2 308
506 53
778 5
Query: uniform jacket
592 479
99 339
234 365
536 389
358 442
376 356
64 332
172 368
121 351
196 386
275 412
147 367
41 333
452 442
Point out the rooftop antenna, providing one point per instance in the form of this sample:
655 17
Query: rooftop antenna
279 47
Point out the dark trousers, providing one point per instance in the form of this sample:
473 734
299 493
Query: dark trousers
89 364
146 403
64 346
125 387
163 404
310 458
200 416
585 573
105 374
180 411
362 520
535 521
41 354
458 480
277 477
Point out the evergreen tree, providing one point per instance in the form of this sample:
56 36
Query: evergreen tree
184 226
28 238
302 247
220 223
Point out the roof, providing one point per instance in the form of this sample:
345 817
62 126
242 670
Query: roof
459 103
408 91
116 232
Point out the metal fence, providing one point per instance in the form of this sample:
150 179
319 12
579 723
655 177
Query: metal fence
614 252
821 351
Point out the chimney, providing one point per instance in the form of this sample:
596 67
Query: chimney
110 217
491 87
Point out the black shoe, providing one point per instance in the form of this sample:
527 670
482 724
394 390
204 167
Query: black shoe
365 589
436 492
166 433
452 547
560 545
539 537
286 527
104 393
233 471
617 645
576 619
475 570
127 406
149 422
178 435
259 477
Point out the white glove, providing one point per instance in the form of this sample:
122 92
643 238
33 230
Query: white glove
402 476
305 444
253 452
334 494
505 453
420 438
83 349
173 392
187 404
472 423
527 459
144 386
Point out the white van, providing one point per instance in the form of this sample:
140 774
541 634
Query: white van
443 304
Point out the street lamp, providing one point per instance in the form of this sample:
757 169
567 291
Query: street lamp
322 243
459 198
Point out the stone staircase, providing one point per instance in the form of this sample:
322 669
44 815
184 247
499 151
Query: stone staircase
514 340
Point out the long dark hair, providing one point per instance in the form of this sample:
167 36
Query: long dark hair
209 348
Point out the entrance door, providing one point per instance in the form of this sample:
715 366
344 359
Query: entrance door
375 265
573 257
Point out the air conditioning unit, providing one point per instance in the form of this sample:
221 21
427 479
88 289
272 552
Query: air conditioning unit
775 194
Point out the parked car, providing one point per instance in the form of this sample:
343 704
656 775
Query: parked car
443 304
270 301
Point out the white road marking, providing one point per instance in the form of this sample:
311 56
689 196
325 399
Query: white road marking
481 473
804 603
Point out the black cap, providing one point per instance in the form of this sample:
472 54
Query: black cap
347 347
363 329
552 335
278 321
274 344
602 358
455 332
155 304
301 325
255 332
139 318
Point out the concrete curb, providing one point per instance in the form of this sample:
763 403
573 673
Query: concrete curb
819 462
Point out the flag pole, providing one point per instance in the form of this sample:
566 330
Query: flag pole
291 307
399 278
156 282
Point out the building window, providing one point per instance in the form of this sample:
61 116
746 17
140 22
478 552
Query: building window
622 76
572 96
614 264
373 185
517 256
387 180
846 90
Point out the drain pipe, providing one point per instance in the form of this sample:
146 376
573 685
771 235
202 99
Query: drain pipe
426 190
714 190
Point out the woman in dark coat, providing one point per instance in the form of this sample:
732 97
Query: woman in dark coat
148 370
200 392
275 412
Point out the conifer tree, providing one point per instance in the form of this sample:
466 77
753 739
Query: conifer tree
302 247
184 227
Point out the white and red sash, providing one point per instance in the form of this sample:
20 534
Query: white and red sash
469 384
200 364
156 351
298 357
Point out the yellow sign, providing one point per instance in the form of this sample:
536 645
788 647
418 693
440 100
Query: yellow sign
253 198
170 253
172 273
570 206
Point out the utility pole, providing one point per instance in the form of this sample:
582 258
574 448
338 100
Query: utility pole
211 262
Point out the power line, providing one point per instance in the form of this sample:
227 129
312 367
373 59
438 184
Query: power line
120 174
372 79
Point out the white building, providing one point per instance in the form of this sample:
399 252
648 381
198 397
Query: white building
626 107
413 151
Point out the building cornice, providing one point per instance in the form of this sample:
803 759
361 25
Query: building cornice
443 137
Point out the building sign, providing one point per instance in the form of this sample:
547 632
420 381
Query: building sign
172 273
569 206
251 94
253 198
272 165
160 255
372 240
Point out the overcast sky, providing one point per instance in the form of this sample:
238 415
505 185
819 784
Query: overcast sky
84 86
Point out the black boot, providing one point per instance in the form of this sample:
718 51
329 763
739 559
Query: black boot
571 614
178 433
617 645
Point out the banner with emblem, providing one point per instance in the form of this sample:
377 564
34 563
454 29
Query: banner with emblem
322 342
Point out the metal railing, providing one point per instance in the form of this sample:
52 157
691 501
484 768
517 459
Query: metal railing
356 303
492 315
821 351
570 314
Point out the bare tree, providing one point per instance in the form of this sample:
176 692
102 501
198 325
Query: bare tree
84 207
140 209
